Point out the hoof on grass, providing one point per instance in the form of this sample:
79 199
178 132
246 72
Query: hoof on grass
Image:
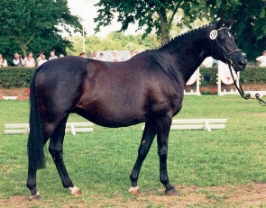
75 191
171 192
35 197
134 190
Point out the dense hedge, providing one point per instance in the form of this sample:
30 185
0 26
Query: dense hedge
12 77
251 75
208 76
15 77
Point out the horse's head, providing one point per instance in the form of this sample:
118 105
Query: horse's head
224 48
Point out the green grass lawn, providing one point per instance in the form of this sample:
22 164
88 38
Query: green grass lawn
100 162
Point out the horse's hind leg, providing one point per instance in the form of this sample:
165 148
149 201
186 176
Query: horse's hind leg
32 170
31 180
56 151
146 141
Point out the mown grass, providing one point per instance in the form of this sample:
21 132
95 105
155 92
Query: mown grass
100 162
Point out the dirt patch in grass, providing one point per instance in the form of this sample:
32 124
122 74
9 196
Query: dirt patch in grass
259 115
249 195
244 196
19 202
24 202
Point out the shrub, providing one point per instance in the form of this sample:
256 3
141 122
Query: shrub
15 77
208 76
19 77
251 75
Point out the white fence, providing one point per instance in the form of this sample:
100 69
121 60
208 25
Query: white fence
71 127
204 124
207 124
194 84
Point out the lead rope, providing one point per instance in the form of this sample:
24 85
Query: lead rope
241 92
262 102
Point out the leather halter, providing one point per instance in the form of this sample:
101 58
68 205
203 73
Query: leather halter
227 56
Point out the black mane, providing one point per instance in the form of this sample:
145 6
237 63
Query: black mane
166 56
185 36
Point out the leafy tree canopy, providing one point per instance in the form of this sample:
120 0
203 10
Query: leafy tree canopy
162 15
113 41
158 15
250 22
35 25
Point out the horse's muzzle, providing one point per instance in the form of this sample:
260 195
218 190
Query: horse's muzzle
239 61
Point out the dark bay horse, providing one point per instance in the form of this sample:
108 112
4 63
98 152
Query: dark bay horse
147 88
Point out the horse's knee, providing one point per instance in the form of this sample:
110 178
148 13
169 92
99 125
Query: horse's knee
162 152
53 150
142 152
56 152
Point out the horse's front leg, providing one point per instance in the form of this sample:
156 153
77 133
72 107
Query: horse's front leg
163 127
145 144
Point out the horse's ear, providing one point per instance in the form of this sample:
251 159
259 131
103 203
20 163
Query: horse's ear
229 23
219 24
225 23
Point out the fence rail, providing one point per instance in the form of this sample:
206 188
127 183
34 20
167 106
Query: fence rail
71 127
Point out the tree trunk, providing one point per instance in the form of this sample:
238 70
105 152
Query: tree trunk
164 27
165 33
23 49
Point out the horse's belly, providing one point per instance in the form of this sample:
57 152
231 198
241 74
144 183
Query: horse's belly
109 115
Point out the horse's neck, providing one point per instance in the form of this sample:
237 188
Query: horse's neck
188 56
188 64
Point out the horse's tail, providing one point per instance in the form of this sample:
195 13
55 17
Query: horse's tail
36 139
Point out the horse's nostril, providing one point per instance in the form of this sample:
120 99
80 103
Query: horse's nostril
243 62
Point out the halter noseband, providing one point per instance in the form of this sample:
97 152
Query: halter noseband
229 55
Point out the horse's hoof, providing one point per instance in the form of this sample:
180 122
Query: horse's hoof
171 192
35 196
75 191
134 190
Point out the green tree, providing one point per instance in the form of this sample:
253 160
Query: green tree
113 41
158 15
35 25
250 22
161 16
